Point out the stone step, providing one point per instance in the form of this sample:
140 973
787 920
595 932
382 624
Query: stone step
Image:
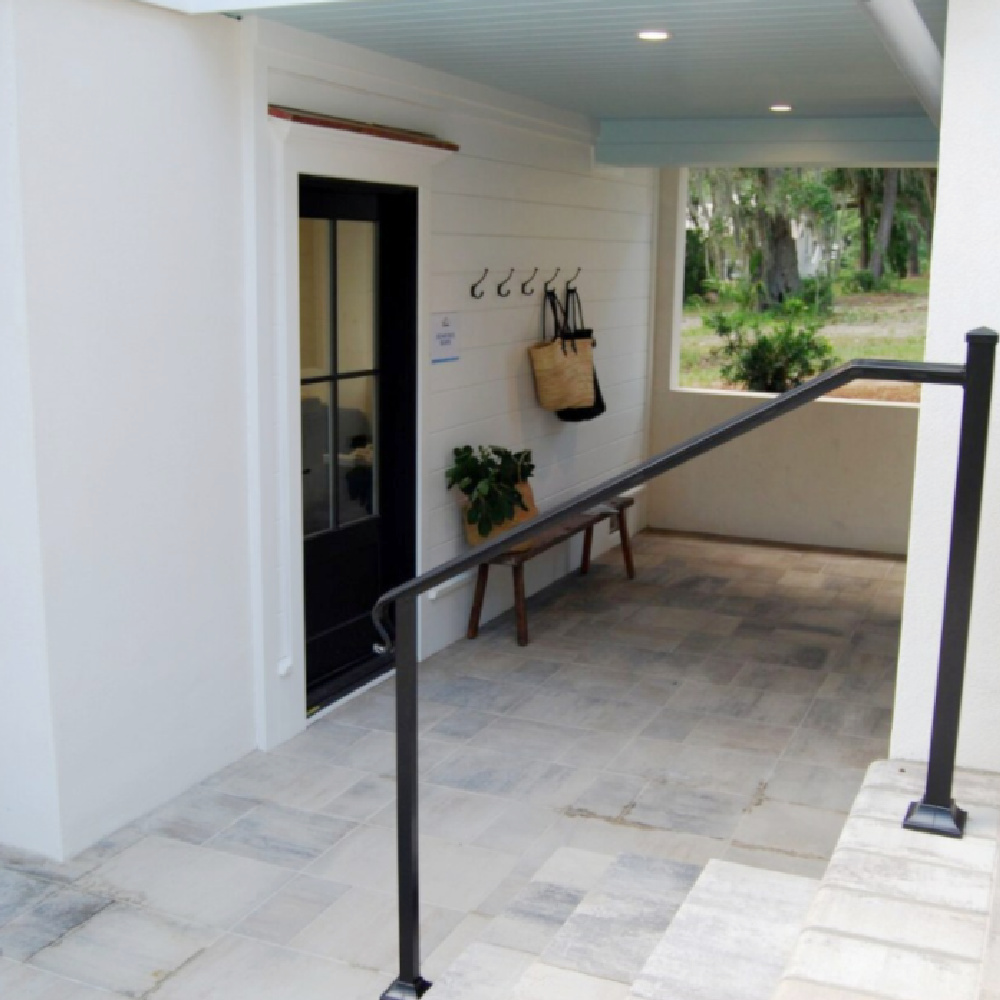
731 939
902 915
585 922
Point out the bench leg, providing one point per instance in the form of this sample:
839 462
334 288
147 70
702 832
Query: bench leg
588 540
626 544
477 601
520 611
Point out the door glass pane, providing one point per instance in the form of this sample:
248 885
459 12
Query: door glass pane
355 296
314 296
317 468
356 444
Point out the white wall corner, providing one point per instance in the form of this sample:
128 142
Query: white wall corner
666 318
964 295
133 287
29 789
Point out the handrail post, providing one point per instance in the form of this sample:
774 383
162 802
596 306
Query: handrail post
937 811
409 983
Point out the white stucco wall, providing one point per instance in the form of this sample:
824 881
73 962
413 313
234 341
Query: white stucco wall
131 192
836 473
965 294
150 550
522 192
29 806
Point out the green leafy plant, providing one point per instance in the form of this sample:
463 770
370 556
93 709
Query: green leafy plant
744 293
865 281
488 476
723 323
751 294
807 310
817 293
777 359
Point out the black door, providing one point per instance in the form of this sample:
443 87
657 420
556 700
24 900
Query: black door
357 293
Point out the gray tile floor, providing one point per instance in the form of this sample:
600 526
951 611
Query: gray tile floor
722 705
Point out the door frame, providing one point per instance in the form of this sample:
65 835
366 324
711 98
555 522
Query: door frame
275 489
391 528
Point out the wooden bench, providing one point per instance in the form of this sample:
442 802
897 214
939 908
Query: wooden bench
585 522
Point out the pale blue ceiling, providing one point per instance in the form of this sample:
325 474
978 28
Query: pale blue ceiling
727 58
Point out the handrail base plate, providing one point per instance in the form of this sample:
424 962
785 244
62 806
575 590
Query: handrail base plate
945 821
401 990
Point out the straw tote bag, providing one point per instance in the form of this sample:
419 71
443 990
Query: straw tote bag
563 366
578 332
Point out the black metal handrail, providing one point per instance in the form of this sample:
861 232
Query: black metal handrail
757 416
936 813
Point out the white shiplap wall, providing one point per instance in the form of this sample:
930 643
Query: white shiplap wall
523 192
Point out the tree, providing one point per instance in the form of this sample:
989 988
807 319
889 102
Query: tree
779 255
712 208
695 271
917 197
858 189
890 191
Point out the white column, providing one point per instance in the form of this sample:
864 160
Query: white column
29 800
965 293
669 278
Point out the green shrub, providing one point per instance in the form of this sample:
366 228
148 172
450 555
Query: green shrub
724 323
752 294
725 292
817 293
865 281
793 306
720 322
773 360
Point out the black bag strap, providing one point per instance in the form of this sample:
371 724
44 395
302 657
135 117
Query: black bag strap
574 312
560 325
574 309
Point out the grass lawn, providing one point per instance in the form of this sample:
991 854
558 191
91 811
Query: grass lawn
889 325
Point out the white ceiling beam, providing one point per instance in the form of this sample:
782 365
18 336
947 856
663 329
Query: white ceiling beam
911 46
765 142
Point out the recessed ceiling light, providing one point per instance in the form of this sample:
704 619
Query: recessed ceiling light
781 108
654 36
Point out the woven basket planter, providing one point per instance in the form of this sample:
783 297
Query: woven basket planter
472 535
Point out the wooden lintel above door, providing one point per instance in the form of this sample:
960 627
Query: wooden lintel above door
361 128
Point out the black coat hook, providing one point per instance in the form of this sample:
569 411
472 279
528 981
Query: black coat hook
478 283
553 278
569 283
524 284
503 284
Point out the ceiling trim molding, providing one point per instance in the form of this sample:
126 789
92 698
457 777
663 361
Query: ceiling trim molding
214 7
906 141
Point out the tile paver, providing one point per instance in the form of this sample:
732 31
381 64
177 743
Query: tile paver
677 718
125 949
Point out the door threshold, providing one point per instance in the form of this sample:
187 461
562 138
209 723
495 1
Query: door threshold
349 684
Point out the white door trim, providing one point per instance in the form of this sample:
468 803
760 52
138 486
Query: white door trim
289 150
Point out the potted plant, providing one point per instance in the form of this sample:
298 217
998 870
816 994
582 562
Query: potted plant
495 488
